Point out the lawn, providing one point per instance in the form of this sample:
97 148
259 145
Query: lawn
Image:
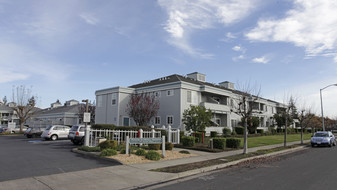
273 139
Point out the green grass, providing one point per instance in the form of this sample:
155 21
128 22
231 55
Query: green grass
273 139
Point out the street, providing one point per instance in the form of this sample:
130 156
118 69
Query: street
313 168
21 157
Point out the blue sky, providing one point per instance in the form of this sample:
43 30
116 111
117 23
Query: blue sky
69 49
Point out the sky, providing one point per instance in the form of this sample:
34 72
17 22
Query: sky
69 49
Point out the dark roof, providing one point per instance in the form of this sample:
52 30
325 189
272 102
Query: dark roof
5 108
177 78
61 109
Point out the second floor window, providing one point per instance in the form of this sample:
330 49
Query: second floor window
189 96
157 120
169 120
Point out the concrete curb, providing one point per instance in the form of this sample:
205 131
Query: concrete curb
95 155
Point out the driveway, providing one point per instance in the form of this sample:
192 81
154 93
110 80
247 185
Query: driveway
21 157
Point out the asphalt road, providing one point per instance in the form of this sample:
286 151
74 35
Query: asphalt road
21 157
311 169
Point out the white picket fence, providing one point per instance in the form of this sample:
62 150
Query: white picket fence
120 135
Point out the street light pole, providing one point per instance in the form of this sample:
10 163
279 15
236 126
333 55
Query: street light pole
320 91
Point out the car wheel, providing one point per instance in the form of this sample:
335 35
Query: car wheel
75 142
53 137
334 143
312 145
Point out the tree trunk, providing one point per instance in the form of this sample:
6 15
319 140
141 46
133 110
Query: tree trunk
245 149
301 134
21 126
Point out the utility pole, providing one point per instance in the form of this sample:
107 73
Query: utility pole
86 119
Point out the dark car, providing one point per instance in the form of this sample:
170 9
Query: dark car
34 132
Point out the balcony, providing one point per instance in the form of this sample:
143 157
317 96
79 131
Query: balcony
215 107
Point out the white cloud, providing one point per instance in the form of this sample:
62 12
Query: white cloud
310 24
263 60
90 19
10 76
187 16
240 57
239 48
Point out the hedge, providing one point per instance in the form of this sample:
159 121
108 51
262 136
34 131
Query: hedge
226 132
198 137
260 131
188 141
89 149
239 130
233 142
154 146
168 146
108 144
214 133
108 152
126 128
219 143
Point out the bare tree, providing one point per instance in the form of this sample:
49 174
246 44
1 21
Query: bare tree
142 108
24 104
289 114
245 106
304 117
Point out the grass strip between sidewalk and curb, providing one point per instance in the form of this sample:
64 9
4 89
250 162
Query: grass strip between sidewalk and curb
225 160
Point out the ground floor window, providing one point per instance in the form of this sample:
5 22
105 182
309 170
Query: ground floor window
157 120
126 121
170 120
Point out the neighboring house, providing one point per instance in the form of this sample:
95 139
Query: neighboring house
176 93
7 115
57 114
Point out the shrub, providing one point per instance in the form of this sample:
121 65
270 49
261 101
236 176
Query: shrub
89 149
233 142
152 155
181 134
140 152
239 130
198 137
108 144
184 152
226 132
260 131
123 151
168 146
188 141
154 146
273 131
108 152
214 133
219 143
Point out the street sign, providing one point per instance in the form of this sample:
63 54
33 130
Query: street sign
145 140
86 117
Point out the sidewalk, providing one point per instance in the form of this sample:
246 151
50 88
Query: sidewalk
118 177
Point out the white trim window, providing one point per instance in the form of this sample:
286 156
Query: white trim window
157 94
169 92
157 120
113 99
126 121
169 119
189 96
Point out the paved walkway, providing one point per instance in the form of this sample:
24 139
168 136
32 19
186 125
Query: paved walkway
117 177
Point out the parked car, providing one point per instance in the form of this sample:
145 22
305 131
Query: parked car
76 134
34 132
14 130
54 132
323 138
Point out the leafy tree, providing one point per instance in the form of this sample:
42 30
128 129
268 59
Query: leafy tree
142 108
252 124
24 104
197 118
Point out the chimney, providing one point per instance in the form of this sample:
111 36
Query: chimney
197 76
227 84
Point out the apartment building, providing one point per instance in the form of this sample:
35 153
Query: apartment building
176 93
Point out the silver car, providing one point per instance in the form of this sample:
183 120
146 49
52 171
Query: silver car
76 134
323 138
55 132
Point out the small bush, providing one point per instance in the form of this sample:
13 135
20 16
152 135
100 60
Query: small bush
260 131
188 141
89 149
214 133
219 143
181 134
108 144
184 152
226 132
168 146
154 146
108 152
233 143
122 151
152 155
273 131
198 137
239 130
140 152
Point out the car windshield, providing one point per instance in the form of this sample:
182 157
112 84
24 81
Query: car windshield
28 130
321 135
48 128
74 128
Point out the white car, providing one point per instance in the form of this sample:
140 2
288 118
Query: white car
55 132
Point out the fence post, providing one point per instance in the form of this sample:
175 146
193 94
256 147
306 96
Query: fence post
127 145
153 133
152 127
169 135
163 127
178 136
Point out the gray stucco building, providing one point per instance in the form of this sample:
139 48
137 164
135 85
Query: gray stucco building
176 93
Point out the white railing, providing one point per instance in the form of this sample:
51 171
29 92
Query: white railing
173 135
